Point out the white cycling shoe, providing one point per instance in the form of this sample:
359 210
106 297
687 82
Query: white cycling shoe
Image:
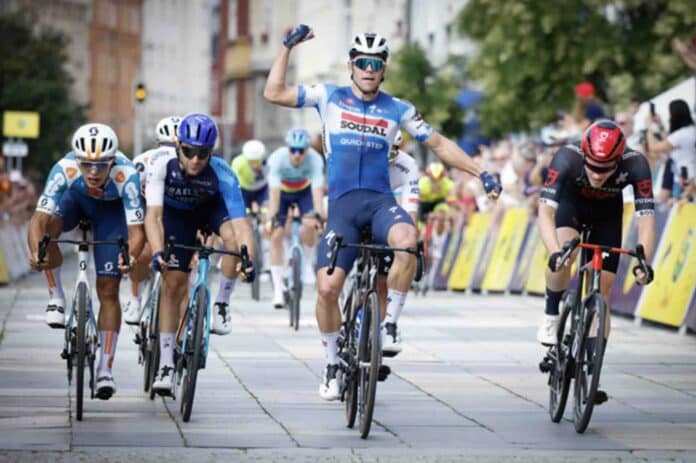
329 387
221 319
164 381
547 332
106 387
278 300
391 340
133 311
55 313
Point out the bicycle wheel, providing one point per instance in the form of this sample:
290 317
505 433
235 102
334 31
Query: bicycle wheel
296 288
194 344
81 345
348 354
152 349
258 263
588 362
561 374
370 356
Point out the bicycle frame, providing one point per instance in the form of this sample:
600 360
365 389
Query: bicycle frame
295 243
201 284
82 277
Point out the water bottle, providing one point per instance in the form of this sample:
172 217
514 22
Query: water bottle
358 322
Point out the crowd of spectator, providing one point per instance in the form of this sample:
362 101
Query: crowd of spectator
17 196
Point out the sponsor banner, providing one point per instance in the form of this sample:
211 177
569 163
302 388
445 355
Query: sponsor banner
536 278
445 263
691 314
625 293
666 299
524 258
491 235
469 251
506 249
4 273
12 240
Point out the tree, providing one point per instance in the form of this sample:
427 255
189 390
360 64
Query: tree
532 53
413 78
33 78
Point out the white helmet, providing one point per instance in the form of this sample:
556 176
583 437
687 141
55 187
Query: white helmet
166 129
254 150
369 43
95 142
398 139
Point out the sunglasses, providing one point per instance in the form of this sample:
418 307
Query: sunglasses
199 152
95 166
363 63
297 151
600 169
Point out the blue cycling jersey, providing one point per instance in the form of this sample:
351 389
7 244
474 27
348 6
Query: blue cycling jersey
290 179
123 184
358 135
167 184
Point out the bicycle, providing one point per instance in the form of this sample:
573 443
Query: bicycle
583 317
193 334
81 340
147 338
359 344
256 225
293 286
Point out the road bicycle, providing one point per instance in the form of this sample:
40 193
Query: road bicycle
359 344
582 334
81 340
193 334
293 285
147 337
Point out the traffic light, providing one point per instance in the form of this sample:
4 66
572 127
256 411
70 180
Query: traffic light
140 92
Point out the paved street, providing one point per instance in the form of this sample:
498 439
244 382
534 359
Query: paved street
466 387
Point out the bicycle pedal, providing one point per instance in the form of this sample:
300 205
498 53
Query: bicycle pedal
545 366
384 372
64 355
389 354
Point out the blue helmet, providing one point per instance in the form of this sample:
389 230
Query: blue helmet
297 138
199 130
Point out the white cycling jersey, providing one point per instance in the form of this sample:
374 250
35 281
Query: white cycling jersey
145 159
403 179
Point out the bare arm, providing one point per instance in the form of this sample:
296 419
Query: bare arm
451 154
273 201
136 239
154 228
547 228
244 235
37 229
318 200
276 90
657 146
646 235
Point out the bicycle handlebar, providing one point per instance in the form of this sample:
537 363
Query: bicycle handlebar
638 253
335 246
242 254
122 244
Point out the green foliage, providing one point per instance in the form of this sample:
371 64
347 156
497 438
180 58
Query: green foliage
532 53
33 78
412 77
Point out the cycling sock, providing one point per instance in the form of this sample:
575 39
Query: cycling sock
166 349
225 288
395 304
309 255
277 277
55 286
553 298
107 350
137 288
330 342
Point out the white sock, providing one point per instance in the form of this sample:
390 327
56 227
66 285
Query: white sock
55 286
166 349
107 351
137 288
308 254
395 304
277 277
330 342
225 289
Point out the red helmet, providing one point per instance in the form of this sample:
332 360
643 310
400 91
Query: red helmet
603 141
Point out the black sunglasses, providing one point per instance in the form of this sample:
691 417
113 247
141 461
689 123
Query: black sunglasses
600 169
298 151
200 152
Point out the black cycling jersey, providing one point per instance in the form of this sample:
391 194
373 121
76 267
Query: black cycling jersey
567 180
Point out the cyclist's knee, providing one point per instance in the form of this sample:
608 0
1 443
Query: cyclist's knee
403 236
329 289
107 289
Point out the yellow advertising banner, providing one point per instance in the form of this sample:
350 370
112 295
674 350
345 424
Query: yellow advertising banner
507 248
667 298
20 124
4 274
469 251
536 281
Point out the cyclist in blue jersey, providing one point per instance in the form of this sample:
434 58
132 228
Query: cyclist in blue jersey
189 189
295 175
97 182
359 124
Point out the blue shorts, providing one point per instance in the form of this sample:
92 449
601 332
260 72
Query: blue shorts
353 212
108 223
259 196
183 224
303 198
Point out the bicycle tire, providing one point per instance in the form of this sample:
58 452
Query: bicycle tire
81 344
584 397
351 385
296 287
560 376
153 348
370 349
194 348
258 263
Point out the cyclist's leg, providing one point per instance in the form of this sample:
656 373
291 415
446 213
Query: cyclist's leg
108 223
329 287
277 257
140 270
391 224
308 234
